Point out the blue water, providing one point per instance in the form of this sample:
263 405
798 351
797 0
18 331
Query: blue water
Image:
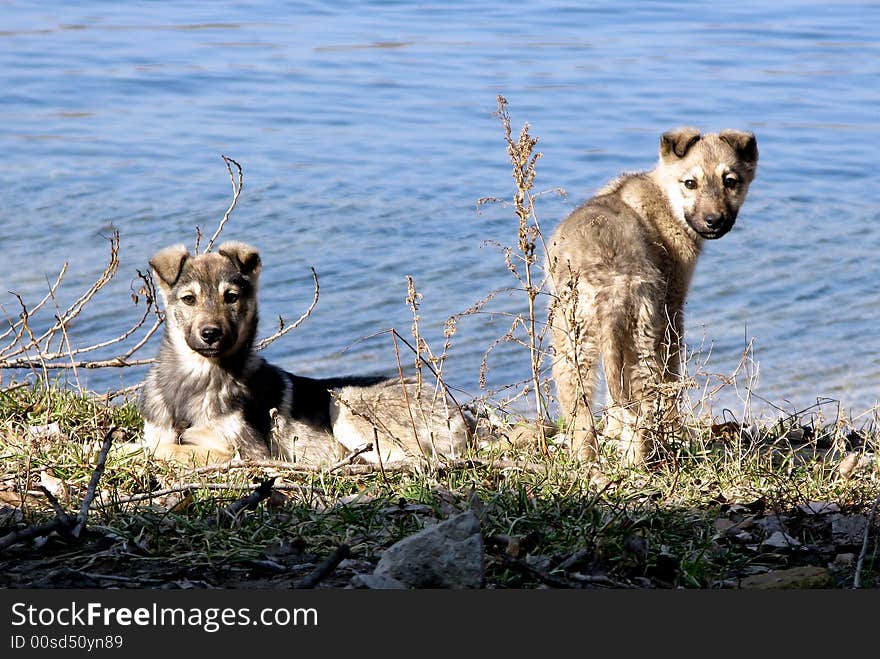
366 135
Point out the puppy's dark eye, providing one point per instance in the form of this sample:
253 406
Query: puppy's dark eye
188 299
690 184
230 297
730 182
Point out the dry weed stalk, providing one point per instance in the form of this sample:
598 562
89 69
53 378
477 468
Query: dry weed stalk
524 158
423 354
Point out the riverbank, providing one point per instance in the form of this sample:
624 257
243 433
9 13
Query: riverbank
787 505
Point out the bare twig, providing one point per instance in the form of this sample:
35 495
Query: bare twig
34 309
66 341
325 568
348 459
282 330
403 388
18 353
346 470
113 362
109 395
194 486
236 191
278 465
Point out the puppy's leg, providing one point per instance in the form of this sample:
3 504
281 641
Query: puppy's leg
645 377
670 351
617 359
202 445
628 312
164 443
576 350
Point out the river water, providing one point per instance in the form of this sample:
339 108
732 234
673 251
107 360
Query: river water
366 135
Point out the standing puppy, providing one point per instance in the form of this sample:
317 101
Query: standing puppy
620 268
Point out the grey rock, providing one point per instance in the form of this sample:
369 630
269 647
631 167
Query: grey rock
446 555
844 560
376 582
819 508
780 540
771 524
848 529
810 576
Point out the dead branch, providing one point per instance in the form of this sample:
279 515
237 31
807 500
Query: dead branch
278 465
65 341
325 568
538 574
65 519
236 191
26 329
282 330
113 362
93 484
342 469
441 383
140 344
232 511
31 532
63 524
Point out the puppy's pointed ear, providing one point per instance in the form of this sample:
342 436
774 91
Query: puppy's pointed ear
676 143
744 143
168 264
245 257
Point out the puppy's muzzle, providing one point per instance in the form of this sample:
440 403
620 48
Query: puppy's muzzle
212 340
210 334
713 226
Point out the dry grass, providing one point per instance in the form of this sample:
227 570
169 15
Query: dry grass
546 520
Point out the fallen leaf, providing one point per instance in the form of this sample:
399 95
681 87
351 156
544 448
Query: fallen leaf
54 485
11 498
847 465
45 431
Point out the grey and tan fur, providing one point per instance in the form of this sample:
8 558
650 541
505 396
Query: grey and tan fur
620 266
210 396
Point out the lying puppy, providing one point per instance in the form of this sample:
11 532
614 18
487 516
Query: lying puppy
210 397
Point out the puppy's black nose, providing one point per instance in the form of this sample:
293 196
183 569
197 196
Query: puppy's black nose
210 334
713 221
